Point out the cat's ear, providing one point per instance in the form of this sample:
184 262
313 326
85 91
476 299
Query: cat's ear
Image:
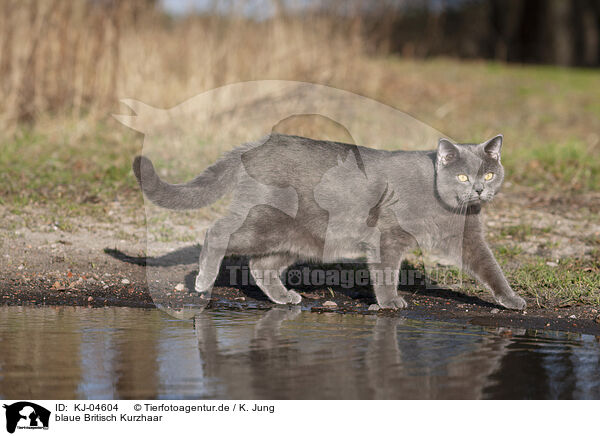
447 151
493 147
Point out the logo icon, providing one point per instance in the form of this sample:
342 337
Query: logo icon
26 415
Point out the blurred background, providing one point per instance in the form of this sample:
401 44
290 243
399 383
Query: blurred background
468 68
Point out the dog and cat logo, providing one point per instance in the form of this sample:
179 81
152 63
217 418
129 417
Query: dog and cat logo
26 415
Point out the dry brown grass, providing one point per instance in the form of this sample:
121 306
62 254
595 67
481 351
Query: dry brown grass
78 58
65 65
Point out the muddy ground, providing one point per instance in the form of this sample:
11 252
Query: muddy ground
101 262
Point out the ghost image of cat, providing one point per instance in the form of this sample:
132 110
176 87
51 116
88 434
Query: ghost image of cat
348 229
292 201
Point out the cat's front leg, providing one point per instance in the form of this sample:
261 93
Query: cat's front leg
479 260
385 274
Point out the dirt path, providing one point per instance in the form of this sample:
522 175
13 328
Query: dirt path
94 263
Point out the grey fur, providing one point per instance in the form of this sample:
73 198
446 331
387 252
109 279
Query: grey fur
297 199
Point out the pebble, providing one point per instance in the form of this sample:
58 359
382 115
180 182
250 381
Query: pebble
373 307
180 287
90 298
125 281
20 267
552 264
573 317
330 304
495 310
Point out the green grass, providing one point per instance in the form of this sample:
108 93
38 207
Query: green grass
567 166
549 117
504 252
522 231
572 282
69 172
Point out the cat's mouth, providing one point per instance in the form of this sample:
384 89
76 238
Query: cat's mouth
475 199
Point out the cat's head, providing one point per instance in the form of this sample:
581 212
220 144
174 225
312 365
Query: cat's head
468 174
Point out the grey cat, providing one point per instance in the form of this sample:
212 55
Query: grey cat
300 199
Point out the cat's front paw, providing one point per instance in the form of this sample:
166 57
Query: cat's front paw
202 286
290 297
295 297
395 303
512 302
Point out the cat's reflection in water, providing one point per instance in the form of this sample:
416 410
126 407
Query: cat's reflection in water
287 354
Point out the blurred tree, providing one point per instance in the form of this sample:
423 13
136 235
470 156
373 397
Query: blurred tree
557 32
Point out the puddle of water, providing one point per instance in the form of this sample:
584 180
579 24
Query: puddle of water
107 353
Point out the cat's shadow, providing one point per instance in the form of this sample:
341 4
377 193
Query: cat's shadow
234 273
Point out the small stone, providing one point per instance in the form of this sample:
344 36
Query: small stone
90 299
552 264
573 317
180 287
373 308
524 312
495 310
125 281
20 267
240 298
330 304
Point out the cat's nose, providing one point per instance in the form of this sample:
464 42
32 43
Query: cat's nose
478 189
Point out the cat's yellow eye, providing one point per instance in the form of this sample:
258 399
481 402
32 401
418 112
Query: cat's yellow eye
488 177
462 177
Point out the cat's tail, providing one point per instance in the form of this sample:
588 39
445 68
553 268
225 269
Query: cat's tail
214 182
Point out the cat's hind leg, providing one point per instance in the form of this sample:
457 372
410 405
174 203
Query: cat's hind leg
267 271
214 249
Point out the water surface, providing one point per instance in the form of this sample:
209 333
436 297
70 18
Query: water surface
107 353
